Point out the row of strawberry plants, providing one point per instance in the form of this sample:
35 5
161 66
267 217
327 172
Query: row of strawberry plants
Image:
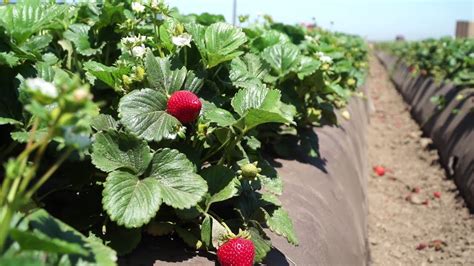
445 59
127 118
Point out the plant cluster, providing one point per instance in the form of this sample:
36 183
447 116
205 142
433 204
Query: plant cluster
445 59
128 118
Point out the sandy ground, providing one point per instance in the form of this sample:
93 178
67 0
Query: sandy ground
408 225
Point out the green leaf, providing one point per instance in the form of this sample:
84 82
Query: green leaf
114 150
188 237
96 252
270 179
218 42
115 236
307 67
247 71
9 59
24 258
218 231
144 113
161 77
24 19
180 186
269 38
206 231
283 58
256 117
258 105
155 228
112 76
217 115
24 136
104 122
194 81
221 182
279 222
45 71
78 34
256 97
37 43
9 121
261 243
38 241
129 201
103 255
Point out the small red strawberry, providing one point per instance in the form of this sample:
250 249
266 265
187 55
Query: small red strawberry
437 194
237 251
184 105
379 170
421 246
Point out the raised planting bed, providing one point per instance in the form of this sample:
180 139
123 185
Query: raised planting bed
445 114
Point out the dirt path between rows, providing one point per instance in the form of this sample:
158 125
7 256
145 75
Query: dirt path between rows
408 224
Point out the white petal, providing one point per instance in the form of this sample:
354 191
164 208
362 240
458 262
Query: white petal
182 40
43 87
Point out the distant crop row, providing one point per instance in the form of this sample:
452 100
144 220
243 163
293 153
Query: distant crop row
445 59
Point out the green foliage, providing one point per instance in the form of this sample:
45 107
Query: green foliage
259 87
446 59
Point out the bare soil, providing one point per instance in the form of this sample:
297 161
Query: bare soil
408 225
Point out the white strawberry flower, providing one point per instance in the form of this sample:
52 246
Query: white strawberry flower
182 40
43 87
154 3
323 57
138 7
139 51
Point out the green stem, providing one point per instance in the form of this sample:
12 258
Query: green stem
215 151
43 144
6 215
48 173
217 218
217 71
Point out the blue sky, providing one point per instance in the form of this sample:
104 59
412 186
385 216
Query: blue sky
373 19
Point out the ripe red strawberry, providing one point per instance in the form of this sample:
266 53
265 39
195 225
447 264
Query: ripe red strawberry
379 170
437 194
421 246
236 251
184 105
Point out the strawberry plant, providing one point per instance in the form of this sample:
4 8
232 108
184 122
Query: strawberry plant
445 59
163 125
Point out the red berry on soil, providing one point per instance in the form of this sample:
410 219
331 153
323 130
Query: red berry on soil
184 105
236 252
379 170
421 246
437 194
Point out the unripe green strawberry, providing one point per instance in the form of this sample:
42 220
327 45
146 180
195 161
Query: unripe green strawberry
249 171
184 105
351 82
